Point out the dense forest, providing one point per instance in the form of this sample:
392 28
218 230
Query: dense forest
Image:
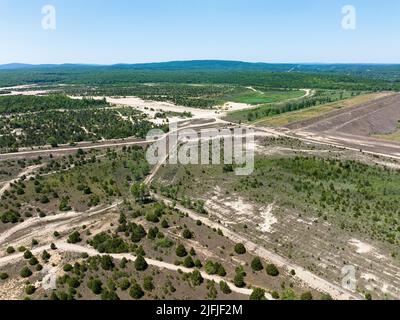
114 76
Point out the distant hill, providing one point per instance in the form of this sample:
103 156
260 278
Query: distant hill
216 65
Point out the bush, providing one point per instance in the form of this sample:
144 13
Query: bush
326 297
140 263
96 286
67 267
225 287
33 261
46 256
10 217
148 284
74 237
10 250
239 280
181 251
256 264
258 294
188 262
125 284
30 289
164 224
275 295
272 270
109 295
136 292
28 255
306 296
104 243
196 278
107 263
3 276
25 272
187 234
240 248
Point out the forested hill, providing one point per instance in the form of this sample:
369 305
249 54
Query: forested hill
346 76
221 65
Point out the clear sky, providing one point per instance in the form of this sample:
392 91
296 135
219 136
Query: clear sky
130 31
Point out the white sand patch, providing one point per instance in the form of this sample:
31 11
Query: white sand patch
269 219
365 248
362 247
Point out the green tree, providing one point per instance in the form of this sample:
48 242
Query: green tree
148 284
74 237
136 291
196 278
306 296
258 294
140 263
240 248
256 264
181 251
272 270
25 272
188 262
224 287
96 286
141 193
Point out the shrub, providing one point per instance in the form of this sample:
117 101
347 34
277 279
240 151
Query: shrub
240 248
148 284
140 263
165 224
124 284
28 255
67 267
275 295
181 251
109 295
272 270
196 278
258 294
33 261
188 262
3 276
239 280
326 297
256 264
224 287
96 286
187 234
30 289
10 250
74 237
25 272
136 291
107 263
306 296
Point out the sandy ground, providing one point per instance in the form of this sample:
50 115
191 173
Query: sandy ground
303 275
66 247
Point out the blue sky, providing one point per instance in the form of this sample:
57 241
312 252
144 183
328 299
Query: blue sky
130 31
